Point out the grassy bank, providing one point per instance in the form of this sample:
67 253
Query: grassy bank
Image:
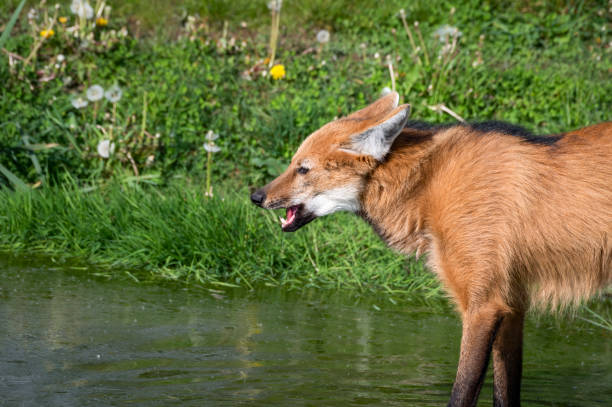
186 68
179 234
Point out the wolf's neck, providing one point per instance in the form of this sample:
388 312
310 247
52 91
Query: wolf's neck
393 200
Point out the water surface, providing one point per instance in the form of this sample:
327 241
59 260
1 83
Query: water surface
69 338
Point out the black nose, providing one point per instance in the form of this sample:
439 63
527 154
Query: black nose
258 197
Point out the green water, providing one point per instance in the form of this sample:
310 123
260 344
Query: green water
69 338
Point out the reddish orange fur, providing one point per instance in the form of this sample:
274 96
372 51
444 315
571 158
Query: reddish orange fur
501 218
506 222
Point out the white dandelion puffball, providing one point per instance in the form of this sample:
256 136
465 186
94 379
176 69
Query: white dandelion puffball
385 91
61 58
106 148
212 147
211 135
113 94
323 36
32 14
82 9
275 5
443 33
95 93
79 102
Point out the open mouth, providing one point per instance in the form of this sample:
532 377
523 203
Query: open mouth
296 218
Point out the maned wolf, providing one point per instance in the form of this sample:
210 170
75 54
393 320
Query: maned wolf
508 219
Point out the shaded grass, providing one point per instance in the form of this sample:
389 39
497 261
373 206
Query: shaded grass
179 234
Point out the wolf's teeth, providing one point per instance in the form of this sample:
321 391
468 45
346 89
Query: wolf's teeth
282 220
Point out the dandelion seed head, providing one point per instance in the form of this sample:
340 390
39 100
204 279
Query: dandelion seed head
79 102
211 147
275 5
95 93
211 135
113 94
447 32
82 8
385 91
105 148
323 36
60 58
32 14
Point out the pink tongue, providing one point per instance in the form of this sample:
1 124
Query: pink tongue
291 214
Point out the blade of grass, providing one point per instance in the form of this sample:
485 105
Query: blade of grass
9 27
13 179
600 320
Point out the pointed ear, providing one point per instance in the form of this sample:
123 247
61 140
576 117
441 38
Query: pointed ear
377 109
376 141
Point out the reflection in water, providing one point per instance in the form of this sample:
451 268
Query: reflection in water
71 339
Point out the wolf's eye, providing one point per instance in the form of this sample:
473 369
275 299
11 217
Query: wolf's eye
302 170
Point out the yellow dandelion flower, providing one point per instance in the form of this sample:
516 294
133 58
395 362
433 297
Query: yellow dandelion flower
47 33
277 72
101 21
63 20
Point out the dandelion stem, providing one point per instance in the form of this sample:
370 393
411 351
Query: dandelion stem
40 41
114 121
440 75
95 112
274 35
144 116
418 30
208 174
134 167
392 75
443 108
410 37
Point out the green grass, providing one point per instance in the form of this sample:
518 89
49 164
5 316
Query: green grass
225 240
545 65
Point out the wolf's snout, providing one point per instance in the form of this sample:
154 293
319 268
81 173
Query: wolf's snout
258 197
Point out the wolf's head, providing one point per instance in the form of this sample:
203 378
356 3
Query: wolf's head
328 171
